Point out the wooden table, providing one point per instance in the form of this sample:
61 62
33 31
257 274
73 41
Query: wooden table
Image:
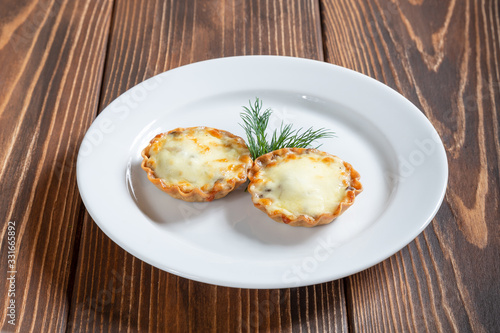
63 61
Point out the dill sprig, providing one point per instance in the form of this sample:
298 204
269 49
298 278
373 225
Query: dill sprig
255 123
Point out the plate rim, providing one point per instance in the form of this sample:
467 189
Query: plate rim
279 284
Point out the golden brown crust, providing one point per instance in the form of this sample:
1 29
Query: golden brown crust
220 189
354 188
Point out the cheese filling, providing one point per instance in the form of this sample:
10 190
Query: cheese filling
197 158
308 184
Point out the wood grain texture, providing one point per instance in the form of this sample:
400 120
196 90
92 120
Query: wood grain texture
52 55
114 291
444 57
62 61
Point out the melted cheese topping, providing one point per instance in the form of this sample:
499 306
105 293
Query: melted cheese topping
307 184
198 157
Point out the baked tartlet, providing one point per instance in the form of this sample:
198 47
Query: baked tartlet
303 187
197 163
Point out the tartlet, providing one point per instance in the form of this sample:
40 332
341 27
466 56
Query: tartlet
197 163
303 187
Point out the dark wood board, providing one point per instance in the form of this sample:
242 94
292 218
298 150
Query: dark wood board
52 55
444 57
65 61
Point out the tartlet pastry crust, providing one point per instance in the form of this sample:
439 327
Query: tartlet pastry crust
353 188
226 181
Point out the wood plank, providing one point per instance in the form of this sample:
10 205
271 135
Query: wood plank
52 56
444 57
115 291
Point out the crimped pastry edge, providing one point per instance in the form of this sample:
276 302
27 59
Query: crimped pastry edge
196 194
303 220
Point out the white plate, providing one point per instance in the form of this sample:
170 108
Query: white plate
228 242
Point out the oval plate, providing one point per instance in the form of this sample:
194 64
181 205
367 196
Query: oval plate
228 242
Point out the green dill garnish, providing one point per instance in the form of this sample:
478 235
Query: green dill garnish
255 124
